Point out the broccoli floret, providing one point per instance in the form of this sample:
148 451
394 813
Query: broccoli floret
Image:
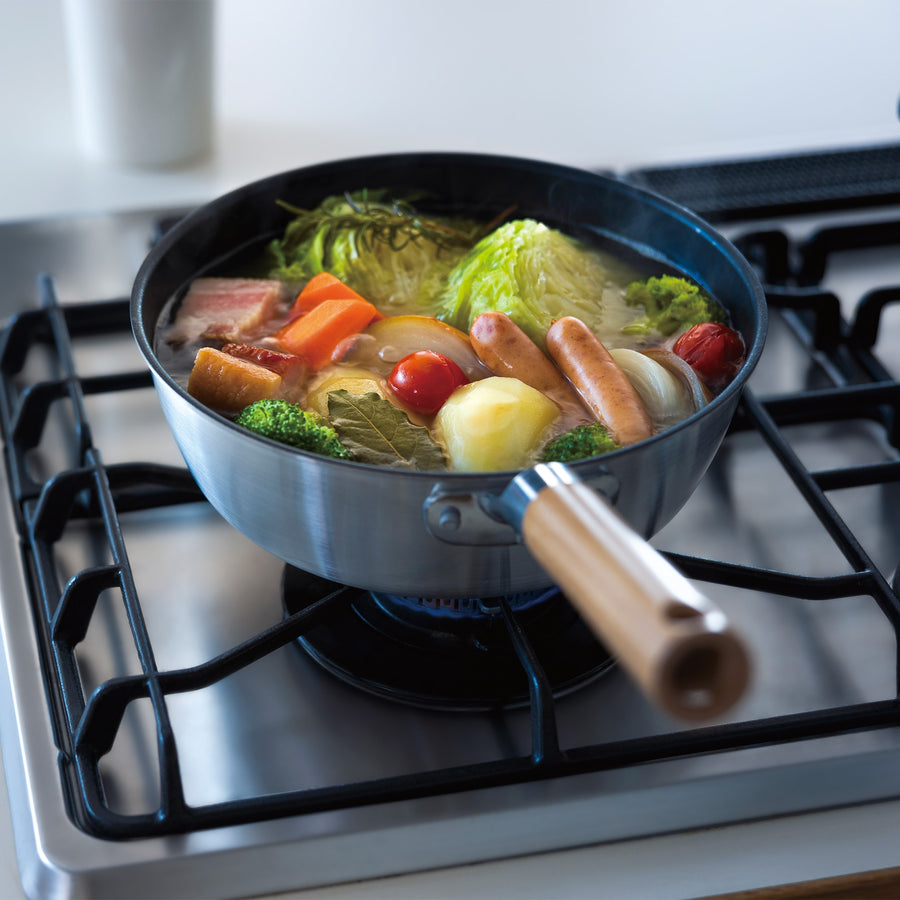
579 443
670 304
289 423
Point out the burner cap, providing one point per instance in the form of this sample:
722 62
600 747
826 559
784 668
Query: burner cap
443 655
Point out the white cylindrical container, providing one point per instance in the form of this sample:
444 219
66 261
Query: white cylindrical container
142 78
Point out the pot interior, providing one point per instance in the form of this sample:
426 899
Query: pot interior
225 235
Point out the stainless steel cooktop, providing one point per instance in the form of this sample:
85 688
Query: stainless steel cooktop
283 726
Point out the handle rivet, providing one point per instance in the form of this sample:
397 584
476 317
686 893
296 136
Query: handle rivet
450 518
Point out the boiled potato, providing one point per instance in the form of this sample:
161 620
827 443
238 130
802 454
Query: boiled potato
494 424
354 381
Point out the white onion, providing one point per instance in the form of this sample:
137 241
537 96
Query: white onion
677 366
388 340
665 395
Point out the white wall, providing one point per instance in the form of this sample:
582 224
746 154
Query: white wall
610 82
616 83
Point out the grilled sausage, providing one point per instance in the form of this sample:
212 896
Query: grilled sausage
507 351
603 386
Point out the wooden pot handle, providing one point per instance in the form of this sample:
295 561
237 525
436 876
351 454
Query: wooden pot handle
671 639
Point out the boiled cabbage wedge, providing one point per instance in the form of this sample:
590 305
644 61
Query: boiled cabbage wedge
535 274
382 248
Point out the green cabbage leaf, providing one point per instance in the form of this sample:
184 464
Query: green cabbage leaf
382 248
531 272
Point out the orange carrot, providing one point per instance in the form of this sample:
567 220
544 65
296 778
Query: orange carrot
316 335
323 286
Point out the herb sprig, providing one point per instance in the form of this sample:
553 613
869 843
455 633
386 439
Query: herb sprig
395 223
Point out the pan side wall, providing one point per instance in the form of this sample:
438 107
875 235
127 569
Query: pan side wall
366 527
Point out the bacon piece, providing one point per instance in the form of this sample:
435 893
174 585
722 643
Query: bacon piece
226 309
290 367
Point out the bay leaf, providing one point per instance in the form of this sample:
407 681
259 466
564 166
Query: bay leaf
377 432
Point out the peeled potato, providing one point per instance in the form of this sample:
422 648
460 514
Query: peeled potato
494 424
355 381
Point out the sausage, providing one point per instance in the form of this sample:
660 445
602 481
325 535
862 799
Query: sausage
506 350
603 386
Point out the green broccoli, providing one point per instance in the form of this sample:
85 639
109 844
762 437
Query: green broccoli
579 443
289 423
670 304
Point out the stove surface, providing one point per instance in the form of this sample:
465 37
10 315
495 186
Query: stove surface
283 731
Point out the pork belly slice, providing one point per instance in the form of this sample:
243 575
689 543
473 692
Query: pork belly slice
226 309
228 384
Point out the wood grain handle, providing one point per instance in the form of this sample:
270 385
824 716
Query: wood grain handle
676 645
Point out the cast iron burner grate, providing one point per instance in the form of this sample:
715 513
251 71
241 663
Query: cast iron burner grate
86 726
405 649
780 185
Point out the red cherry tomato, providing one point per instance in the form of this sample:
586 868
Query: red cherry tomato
425 379
715 352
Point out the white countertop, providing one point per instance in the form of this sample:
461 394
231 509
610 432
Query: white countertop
596 85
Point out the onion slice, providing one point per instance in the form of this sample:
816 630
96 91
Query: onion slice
700 393
666 392
388 340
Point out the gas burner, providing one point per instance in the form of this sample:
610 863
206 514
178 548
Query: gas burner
445 654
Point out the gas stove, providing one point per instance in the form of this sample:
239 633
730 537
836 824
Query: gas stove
172 723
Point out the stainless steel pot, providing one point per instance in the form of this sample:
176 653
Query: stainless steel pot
467 535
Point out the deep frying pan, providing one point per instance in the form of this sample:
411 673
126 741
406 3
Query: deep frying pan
478 535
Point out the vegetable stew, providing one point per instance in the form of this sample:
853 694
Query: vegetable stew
374 333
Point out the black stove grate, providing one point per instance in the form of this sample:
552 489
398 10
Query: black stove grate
844 178
86 726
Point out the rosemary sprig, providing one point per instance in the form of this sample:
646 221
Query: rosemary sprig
396 223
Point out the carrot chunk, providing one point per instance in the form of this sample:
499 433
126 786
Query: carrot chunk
316 335
323 286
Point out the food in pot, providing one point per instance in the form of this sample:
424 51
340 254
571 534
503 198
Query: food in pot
434 342
376 431
290 424
535 274
714 351
317 334
582 442
378 244
386 342
670 304
228 309
494 424
668 392
506 350
425 380
236 375
355 381
603 386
